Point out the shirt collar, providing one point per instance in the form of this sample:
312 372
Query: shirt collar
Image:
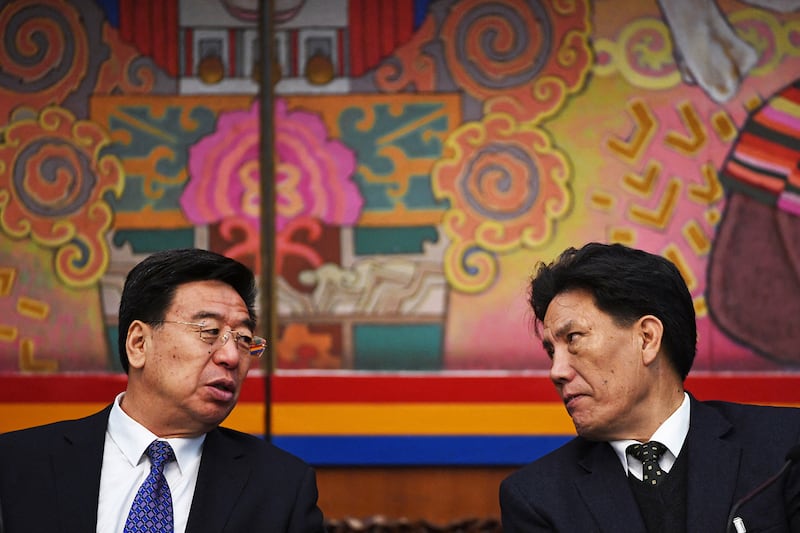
132 438
671 433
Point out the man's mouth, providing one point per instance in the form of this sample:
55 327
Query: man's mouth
223 390
570 399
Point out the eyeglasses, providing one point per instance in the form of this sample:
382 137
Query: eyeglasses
253 346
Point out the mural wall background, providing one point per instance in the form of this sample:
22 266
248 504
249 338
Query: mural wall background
429 153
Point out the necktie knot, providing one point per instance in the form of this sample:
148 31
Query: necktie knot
652 450
649 453
160 452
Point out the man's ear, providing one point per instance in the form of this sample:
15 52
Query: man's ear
137 342
651 331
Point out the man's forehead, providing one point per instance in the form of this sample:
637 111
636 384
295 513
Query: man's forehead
567 310
210 297
557 328
568 305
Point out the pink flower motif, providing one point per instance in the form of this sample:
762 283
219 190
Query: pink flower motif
313 173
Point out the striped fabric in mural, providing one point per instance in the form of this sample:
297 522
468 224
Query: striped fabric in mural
764 162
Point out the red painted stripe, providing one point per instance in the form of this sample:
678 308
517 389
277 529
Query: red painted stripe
294 66
126 25
61 387
386 17
356 28
747 388
232 52
750 388
340 35
356 388
188 50
372 34
143 20
253 390
404 21
756 388
26 388
157 23
171 40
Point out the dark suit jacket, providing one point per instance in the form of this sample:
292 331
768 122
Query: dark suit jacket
732 448
50 482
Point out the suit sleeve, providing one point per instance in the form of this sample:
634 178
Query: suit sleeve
517 513
306 516
792 492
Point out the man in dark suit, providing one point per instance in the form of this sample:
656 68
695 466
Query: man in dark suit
619 327
156 459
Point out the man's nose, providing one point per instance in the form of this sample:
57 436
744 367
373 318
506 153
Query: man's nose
561 370
227 352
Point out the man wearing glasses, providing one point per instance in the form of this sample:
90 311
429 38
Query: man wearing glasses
156 460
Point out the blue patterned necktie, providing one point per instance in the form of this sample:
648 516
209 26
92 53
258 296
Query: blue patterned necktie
151 511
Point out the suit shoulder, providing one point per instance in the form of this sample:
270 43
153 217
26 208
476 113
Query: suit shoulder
740 414
263 450
553 465
39 437
763 431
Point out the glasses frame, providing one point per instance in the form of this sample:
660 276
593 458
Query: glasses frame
258 345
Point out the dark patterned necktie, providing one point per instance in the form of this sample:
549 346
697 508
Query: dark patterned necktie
151 511
649 453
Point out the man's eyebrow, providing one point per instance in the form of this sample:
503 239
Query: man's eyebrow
563 329
201 315
558 333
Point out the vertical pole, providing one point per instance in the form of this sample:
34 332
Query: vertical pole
268 287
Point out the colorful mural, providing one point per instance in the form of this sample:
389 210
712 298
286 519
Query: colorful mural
428 154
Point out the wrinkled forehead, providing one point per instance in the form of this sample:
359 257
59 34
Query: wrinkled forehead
568 308
211 300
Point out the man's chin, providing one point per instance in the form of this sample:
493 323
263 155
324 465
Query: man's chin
587 431
214 417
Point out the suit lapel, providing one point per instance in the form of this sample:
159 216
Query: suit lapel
220 481
711 487
713 469
606 493
76 472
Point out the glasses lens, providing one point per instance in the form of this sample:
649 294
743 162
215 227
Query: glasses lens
209 335
243 342
257 347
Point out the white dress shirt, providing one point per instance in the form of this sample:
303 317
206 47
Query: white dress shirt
672 434
125 467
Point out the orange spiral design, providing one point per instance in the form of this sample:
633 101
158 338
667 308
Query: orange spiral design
522 58
45 51
53 183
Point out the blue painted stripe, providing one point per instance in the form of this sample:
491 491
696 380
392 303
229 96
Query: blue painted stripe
420 12
419 450
111 8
